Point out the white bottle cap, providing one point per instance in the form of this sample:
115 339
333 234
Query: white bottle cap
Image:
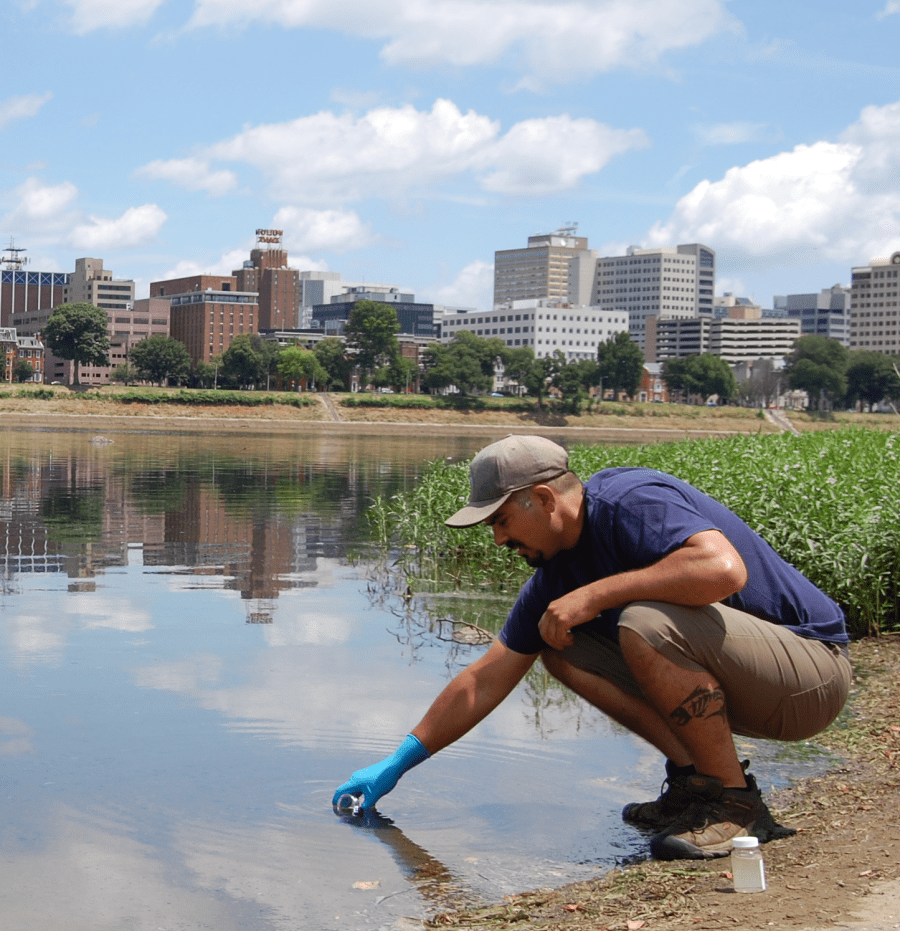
745 843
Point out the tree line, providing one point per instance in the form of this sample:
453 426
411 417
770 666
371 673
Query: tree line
830 374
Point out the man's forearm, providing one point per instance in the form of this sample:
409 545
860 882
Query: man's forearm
471 696
705 570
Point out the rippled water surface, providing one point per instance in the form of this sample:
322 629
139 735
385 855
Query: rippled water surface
195 651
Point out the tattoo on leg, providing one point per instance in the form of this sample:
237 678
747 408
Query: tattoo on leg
701 703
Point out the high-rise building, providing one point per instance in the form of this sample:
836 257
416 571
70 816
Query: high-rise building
824 314
278 286
554 266
666 283
24 293
875 306
91 283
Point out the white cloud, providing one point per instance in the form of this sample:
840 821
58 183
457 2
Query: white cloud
542 156
88 15
892 6
41 209
307 230
48 211
325 158
194 174
472 287
829 200
221 266
732 133
558 41
138 225
93 610
21 108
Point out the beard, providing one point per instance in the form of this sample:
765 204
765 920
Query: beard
535 561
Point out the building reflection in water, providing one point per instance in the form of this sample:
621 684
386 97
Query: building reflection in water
256 528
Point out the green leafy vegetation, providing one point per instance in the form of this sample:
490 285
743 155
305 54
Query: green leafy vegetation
825 501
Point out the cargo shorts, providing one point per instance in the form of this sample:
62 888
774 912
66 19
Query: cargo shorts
777 685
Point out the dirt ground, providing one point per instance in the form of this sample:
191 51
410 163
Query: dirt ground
840 870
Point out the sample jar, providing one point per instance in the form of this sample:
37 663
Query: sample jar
747 865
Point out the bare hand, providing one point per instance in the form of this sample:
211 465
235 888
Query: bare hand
556 624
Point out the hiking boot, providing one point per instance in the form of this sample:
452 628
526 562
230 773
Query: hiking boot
659 814
713 819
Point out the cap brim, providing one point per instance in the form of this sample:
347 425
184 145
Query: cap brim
473 514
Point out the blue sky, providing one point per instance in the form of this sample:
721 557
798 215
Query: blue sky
404 141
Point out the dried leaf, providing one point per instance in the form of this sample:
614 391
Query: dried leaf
634 925
367 884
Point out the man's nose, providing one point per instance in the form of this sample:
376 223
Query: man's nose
500 535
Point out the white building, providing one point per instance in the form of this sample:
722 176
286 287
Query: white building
545 325
744 335
875 306
666 283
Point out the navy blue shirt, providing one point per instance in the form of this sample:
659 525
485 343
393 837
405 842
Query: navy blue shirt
635 517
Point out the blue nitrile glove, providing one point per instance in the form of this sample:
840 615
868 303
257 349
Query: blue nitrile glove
379 778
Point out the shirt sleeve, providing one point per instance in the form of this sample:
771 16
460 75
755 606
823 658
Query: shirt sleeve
651 521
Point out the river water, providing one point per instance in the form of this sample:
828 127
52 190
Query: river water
196 649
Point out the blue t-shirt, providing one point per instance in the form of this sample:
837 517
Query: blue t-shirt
635 517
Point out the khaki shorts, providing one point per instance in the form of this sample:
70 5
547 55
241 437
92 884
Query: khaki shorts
777 684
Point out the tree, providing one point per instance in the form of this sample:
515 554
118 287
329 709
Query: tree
246 362
370 335
398 374
78 332
332 356
296 363
467 362
523 367
763 384
160 359
573 379
23 370
870 377
818 366
124 374
699 377
621 364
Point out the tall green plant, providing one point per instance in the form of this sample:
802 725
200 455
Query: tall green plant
825 501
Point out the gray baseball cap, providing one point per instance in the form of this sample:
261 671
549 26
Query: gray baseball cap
504 467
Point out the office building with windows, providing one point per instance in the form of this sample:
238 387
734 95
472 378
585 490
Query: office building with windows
875 306
555 266
824 314
543 324
667 283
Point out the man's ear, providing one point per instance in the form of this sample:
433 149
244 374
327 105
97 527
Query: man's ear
544 497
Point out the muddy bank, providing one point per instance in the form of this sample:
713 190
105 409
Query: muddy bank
841 869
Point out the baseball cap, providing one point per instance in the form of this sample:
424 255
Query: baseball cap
504 467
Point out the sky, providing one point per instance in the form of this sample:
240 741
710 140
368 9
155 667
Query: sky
404 141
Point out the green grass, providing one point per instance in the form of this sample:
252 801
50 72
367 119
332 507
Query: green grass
827 502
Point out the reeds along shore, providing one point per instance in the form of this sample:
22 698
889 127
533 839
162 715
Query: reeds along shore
825 501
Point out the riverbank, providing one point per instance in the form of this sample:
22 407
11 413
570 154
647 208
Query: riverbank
98 411
841 869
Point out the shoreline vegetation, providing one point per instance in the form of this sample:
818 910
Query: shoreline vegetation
283 411
842 869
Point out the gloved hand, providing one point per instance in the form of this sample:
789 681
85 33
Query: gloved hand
379 778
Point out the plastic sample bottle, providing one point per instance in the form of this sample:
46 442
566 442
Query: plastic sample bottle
352 804
747 865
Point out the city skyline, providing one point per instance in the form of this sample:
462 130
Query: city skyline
406 143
